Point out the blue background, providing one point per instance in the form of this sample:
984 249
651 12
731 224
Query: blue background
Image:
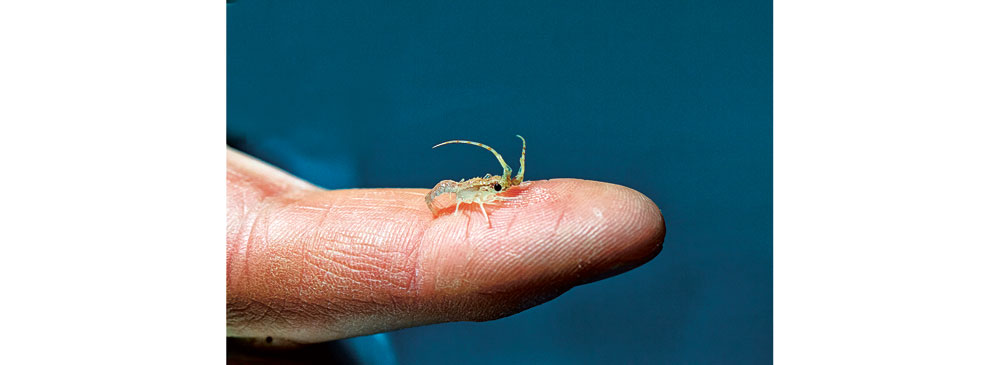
670 98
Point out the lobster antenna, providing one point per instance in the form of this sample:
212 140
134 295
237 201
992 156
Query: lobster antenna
520 170
506 169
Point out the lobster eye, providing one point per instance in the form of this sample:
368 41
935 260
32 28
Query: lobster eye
497 187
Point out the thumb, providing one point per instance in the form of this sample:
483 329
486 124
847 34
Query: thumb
309 265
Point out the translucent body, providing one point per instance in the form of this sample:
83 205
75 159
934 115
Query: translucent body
479 190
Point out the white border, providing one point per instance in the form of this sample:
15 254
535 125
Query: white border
887 192
112 141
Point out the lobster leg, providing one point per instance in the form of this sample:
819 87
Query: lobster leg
485 215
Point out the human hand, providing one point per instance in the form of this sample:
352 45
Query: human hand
308 265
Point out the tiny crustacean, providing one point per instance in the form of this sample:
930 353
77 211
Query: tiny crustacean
480 190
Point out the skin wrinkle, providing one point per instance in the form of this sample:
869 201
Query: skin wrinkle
356 267
347 275
413 259
407 259
237 244
320 265
367 260
380 257
304 249
271 210
263 220
253 313
264 206
235 311
246 243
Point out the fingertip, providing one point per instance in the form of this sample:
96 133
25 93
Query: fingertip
635 234
617 228
558 234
